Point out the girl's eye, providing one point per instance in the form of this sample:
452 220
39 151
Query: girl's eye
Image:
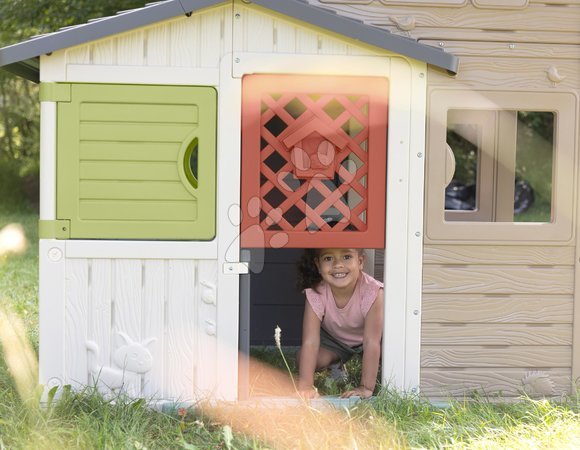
327 258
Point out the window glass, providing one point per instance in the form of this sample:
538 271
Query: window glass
534 167
503 166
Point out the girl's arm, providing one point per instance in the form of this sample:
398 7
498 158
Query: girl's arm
309 352
371 349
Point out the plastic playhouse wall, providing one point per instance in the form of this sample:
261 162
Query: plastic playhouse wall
476 299
499 287
146 299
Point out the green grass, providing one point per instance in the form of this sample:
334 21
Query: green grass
87 420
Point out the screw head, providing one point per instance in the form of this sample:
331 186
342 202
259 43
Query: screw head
55 254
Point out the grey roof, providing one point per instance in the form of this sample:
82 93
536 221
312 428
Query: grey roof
22 58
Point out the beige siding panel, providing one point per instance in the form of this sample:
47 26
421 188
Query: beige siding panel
507 49
507 382
524 73
493 254
556 2
495 334
482 309
395 2
506 37
345 2
537 18
500 356
500 4
498 280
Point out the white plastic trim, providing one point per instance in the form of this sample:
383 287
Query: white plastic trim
141 75
248 63
228 228
52 313
53 67
418 82
405 181
141 249
404 222
47 160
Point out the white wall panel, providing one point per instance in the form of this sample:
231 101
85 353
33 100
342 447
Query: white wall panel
181 317
199 41
154 302
148 327
100 301
76 319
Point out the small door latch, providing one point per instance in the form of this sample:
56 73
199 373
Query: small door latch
236 268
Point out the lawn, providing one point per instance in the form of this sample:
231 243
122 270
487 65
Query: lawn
391 420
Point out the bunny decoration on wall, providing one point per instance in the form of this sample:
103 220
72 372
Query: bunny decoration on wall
129 361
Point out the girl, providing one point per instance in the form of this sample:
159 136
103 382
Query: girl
343 316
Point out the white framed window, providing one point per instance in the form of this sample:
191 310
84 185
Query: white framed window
500 166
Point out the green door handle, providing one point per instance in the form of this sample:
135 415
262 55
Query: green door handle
190 163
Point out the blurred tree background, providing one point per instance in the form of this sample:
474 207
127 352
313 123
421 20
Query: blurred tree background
19 106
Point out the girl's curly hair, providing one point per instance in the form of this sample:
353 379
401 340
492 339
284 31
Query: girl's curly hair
308 275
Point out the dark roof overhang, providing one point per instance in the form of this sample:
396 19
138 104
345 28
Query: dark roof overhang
22 58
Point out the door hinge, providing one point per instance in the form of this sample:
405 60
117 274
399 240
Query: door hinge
54 229
55 92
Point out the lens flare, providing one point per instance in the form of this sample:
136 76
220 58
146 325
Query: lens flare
12 239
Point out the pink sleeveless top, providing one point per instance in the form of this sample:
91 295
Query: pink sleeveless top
345 324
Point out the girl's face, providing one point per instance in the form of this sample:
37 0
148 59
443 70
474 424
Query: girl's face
339 267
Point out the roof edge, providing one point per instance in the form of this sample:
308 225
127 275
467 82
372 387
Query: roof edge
328 19
22 58
13 55
27 69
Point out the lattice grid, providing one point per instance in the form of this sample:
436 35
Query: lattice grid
318 202
313 161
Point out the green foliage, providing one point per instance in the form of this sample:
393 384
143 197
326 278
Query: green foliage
392 420
24 18
19 106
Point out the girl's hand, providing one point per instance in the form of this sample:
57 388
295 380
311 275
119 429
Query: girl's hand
308 394
360 391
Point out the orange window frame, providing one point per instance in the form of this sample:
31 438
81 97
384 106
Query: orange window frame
301 159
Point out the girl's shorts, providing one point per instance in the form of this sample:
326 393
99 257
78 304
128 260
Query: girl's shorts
334 345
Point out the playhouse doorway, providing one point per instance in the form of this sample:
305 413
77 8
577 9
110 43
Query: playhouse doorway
313 176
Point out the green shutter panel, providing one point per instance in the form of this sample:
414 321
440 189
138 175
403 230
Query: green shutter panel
137 162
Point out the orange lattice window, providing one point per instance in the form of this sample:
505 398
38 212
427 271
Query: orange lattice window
313 161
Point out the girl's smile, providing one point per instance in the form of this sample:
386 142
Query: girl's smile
340 268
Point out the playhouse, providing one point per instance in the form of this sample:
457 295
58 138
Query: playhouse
191 148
